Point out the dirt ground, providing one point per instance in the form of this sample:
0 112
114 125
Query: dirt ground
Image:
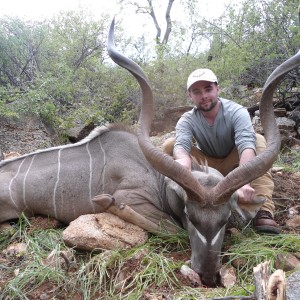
286 195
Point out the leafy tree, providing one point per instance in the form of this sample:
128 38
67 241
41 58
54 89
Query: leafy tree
59 69
249 43
19 46
69 79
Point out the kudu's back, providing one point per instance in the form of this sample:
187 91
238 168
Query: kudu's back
62 181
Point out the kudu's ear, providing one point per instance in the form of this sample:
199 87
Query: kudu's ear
174 191
247 210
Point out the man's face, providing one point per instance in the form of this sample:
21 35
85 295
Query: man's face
204 94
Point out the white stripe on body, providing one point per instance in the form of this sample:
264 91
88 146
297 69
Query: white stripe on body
24 181
56 183
11 182
104 165
91 175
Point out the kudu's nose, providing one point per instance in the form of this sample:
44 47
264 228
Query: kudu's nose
210 280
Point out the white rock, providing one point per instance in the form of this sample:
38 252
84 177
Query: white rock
191 275
103 231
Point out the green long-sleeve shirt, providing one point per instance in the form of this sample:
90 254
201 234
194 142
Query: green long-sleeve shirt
232 127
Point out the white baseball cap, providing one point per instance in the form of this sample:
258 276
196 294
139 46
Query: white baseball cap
201 75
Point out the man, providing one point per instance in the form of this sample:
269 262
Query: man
225 138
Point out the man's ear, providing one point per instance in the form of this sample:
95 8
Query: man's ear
188 94
247 210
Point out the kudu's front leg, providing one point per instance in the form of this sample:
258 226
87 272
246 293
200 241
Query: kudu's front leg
107 203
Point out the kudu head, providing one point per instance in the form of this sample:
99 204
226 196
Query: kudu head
209 197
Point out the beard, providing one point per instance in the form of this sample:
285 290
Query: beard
208 107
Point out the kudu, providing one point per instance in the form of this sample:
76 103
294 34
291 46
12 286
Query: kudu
113 164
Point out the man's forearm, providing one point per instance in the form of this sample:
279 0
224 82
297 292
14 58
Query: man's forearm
246 192
247 155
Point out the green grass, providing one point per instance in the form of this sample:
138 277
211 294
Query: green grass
127 274
289 160
91 274
254 249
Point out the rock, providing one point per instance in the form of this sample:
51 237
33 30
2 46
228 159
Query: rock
286 262
293 222
228 277
293 286
17 249
103 231
295 116
293 211
11 155
286 126
6 228
191 275
256 120
285 123
233 231
239 262
280 112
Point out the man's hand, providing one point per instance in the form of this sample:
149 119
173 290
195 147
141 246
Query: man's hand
182 157
245 194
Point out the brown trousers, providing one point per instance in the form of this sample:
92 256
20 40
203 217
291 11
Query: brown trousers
263 185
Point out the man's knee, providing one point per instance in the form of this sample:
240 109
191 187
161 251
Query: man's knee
168 146
260 143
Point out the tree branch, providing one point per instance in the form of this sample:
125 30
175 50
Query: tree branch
153 16
169 22
223 31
